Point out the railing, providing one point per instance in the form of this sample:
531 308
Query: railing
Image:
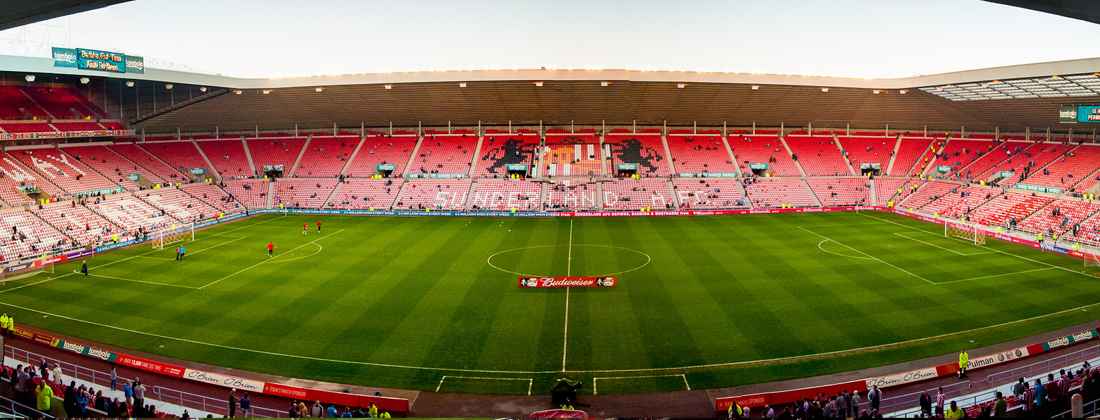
159 393
20 410
903 405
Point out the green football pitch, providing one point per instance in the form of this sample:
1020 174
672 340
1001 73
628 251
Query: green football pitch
432 302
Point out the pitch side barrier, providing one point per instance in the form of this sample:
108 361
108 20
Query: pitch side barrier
394 405
904 378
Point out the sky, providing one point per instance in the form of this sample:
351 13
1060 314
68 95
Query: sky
844 38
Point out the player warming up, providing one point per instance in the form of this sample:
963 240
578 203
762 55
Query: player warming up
305 228
270 249
318 226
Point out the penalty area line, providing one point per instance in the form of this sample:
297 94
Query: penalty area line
868 255
673 375
530 381
268 260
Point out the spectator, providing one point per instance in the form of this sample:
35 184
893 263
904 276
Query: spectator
128 392
1018 389
939 402
1040 398
925 404
874 396
317 411
56 373
853 406
1000 406
954 412
232 402
1027 398
332 412
69 401
114 379
246 406
139 393
294 412
45 397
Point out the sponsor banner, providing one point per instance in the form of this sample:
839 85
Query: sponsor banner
150 365
65 134
133 177
1039 188
566 281
447 176
903 378
79 254
224 380
718 174
1067 114
385 167
17 267
757 400
115 246
197 171
279 168
86 350
755 166
943 168
1086 114
996 359
287 391
49 260
64 57
36 337
627 166
516 167
1069 339
100 60
135 64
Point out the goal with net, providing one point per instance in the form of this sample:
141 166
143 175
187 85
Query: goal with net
15 272
1092 260
171 234
971 233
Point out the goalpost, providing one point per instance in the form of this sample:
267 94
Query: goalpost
1092 260
5 276
969 232
172 234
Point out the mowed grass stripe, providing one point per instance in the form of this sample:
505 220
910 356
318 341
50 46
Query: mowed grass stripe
405 290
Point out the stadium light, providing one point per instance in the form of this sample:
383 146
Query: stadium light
462 84
389 86
129 83
30 77
824 89
604 84
903 91
755 87
84 80
877 91
538 84
238 92
168 86
202 89
319 89
267 91
681 85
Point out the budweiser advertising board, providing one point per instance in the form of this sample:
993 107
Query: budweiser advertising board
566 281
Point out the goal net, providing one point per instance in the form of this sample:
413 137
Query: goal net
968 232
43 268
171 234
1092 261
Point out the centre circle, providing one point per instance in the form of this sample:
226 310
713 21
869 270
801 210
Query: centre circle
580 261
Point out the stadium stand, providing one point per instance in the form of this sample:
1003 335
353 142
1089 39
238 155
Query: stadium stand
886 189
179 204
112 125
27 127
1074 170
442 153
16 175
378 194
776 192
79 223
252 193
699 153
818 154
960 200
500 149
29 235
274 151
709 193
128 212
303 193
434 194
960 153
913 151
768 149
646 150
228 158
1012 205
572 195
572 154
1060 216
106 162
63 170
325 157
77 126
872 150
16 105
506 195
62 102
636 194
380 149
841 191
147 165
1025 162
1002 153
214 196
179 155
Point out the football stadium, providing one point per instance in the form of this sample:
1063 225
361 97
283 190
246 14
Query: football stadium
360 237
